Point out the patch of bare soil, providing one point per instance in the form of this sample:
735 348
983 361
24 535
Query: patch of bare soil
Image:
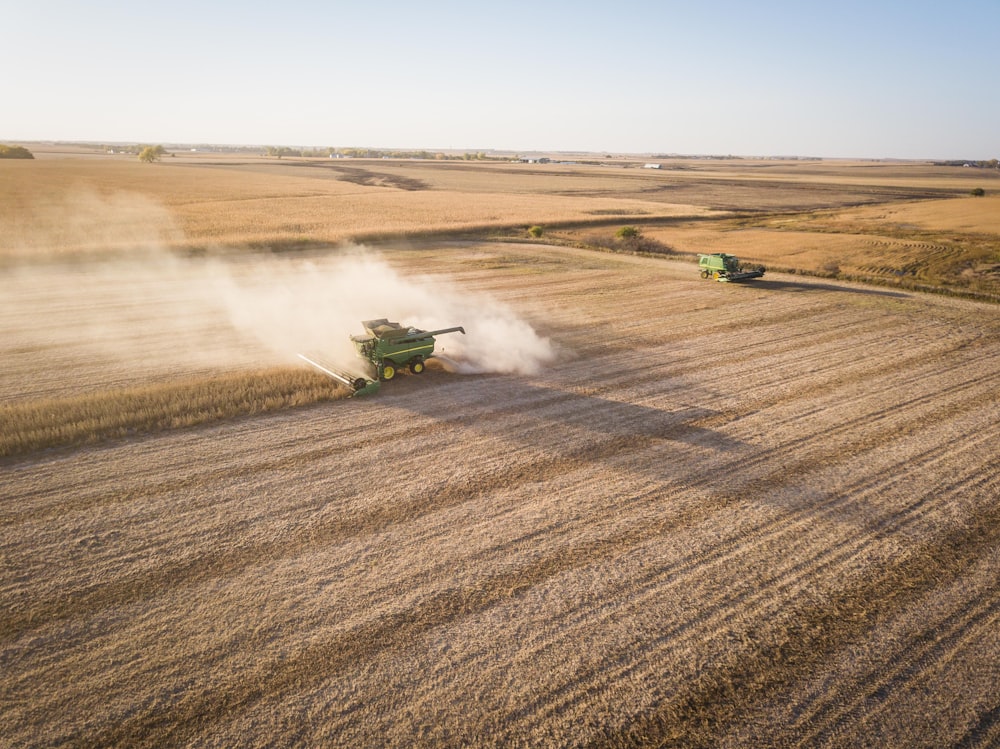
369 178
757 515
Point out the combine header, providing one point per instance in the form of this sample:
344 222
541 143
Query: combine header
389 347
360 385
723 267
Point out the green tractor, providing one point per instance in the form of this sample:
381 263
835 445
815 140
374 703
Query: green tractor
391 347
723 267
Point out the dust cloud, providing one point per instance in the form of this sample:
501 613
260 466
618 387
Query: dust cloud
66 223
102 280
312 306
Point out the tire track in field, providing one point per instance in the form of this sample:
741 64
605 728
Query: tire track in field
696 716
191 570
865 483
727 326
790 347
394 632
903 685
831 719
543 430
986 732
562 626
790 459
859 366
832 508
785 531
400 628
346 440
922 459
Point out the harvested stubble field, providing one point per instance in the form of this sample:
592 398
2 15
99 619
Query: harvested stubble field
760 515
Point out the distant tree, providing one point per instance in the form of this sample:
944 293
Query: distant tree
281 151
15 152
149 154
535 231
978 192
628 232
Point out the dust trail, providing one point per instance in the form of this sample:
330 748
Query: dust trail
83 221
92 287
313 305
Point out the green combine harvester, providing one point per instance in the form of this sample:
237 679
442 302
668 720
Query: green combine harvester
389 347
724 268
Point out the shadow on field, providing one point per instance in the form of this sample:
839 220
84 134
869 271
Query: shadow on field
550 418
800 286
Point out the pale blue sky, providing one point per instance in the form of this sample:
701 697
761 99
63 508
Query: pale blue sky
852 78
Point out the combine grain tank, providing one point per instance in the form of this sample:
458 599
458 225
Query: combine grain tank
390 347
723 267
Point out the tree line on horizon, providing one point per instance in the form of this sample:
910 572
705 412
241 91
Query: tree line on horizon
375 153
15 152
983 164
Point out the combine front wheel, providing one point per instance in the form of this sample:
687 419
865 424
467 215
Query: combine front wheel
388 371
704 274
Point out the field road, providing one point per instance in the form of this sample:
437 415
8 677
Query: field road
757 515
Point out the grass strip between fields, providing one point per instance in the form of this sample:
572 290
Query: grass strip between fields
99 417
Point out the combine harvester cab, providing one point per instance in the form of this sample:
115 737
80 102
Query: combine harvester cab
724 268
391 347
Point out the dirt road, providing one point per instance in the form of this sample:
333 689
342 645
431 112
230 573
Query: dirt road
723 516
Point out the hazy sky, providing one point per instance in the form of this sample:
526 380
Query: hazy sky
839 78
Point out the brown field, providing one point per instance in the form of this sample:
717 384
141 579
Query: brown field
634 509
912 225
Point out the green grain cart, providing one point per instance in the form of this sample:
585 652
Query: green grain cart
723 267
392 347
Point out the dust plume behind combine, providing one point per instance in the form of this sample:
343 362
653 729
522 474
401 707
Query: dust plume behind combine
313 305
93 297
